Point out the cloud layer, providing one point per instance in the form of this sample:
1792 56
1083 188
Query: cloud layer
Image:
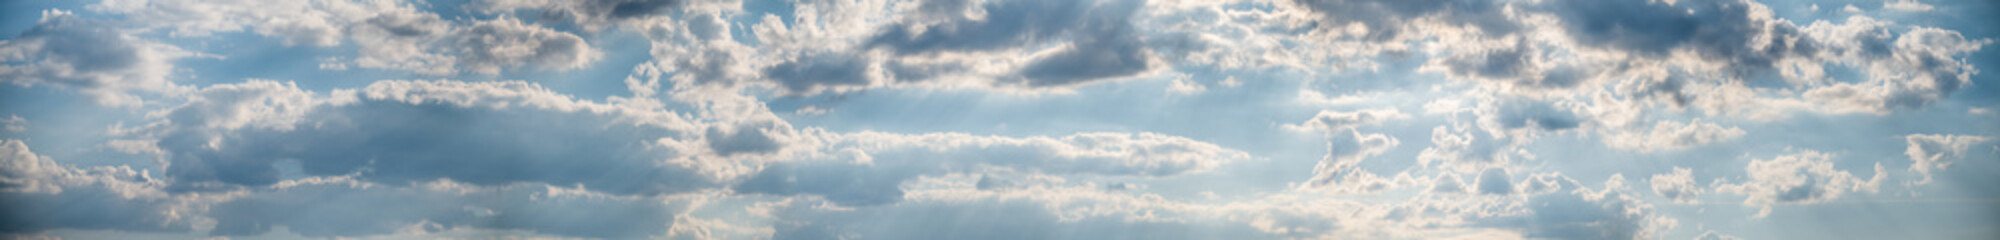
997 119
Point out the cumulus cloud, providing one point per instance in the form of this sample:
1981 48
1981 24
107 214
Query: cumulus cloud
1935 152
1804 177
1669 135
107 64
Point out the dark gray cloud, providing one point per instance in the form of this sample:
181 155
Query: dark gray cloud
1113 51
1739 33
1101 40
818 72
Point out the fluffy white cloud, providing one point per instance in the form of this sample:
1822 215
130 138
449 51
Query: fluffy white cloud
90 56
1800 178
1935 152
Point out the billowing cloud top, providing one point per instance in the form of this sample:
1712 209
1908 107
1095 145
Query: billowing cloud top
999 119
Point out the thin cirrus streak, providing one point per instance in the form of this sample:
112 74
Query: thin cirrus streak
999 119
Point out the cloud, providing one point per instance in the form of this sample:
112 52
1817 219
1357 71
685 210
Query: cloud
14 123
1935 152
1804 177
1734 32
823 72
42 195
1609 213
1339 171
493 133
1026 44
88 55
596 15
1669 135
1183 86
1907 70
387 34
424 43
1333 121
1679 186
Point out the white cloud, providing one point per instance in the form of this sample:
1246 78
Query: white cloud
1935 152
1184 87
1804 177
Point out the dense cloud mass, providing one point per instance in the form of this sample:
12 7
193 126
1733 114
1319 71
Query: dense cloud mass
66 51
998 119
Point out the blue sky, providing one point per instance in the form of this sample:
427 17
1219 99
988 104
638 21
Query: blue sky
999 119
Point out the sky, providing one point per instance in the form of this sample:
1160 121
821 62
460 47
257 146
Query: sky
999 119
